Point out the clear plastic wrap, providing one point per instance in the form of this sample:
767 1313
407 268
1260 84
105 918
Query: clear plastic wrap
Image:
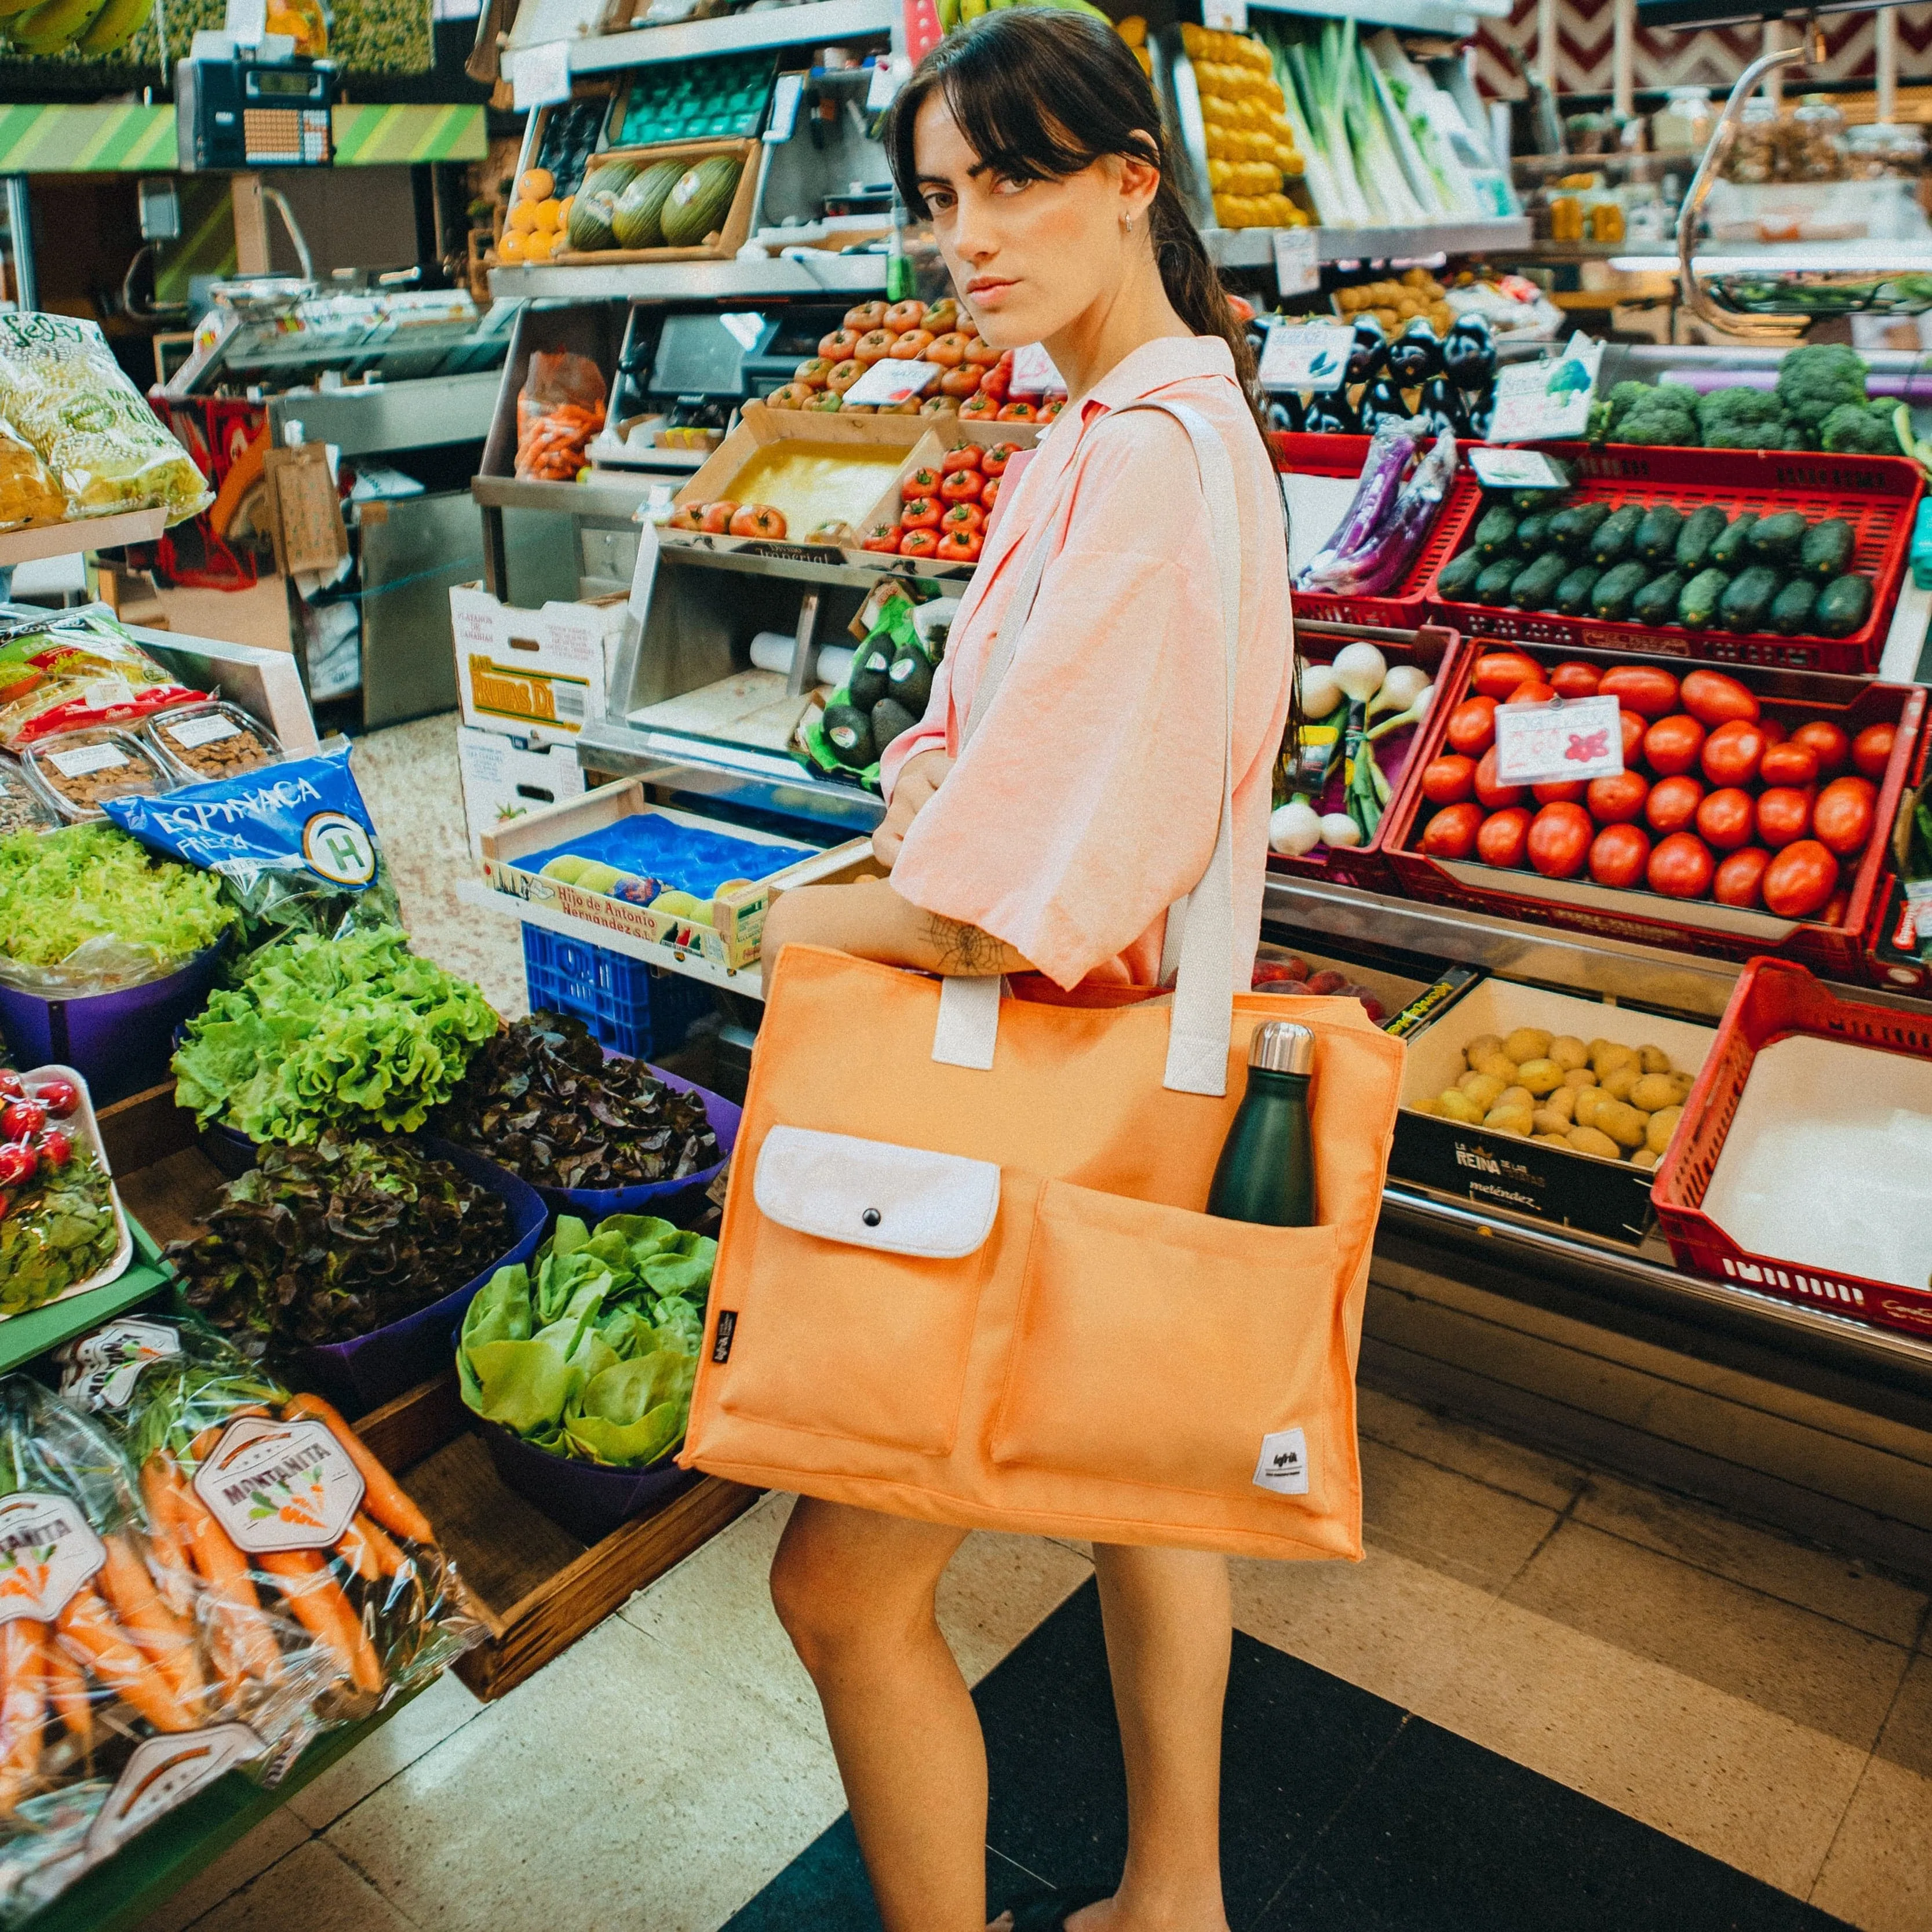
115 1706
65 395
29 494
75 671
274 1501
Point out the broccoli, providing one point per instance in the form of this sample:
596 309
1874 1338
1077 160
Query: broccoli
1853 430
1631 404
1671 427
1747 419
1624 397
1814 380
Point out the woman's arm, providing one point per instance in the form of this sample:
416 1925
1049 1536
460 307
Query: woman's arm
870 921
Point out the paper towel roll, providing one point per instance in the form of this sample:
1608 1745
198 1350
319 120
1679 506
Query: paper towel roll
771 650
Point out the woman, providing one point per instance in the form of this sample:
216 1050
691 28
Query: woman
1087 805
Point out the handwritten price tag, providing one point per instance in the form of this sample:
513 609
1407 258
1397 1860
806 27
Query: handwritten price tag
889 381
1308 356
1550 744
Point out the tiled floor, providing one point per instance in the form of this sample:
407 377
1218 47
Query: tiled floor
1765 1703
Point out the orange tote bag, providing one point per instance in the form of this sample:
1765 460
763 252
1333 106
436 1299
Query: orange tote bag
966 1276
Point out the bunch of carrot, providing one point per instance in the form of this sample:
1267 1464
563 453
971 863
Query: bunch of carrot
550 440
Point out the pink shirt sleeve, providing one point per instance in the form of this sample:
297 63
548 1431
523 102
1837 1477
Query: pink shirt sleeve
1087 802
928 735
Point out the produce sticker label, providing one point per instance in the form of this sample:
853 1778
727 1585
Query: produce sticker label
48 1550
279 1485
199 731
160 1774
100 1370
1552 744
85 758
1538 402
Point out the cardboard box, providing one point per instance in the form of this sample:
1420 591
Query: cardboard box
724 241
505 778
1502 1173
536 674
737 917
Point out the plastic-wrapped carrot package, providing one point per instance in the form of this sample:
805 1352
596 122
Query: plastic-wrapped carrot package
115 1705
274 1502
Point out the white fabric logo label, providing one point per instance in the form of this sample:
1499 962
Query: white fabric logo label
160 1774
1283 1467
47 1551
279 1485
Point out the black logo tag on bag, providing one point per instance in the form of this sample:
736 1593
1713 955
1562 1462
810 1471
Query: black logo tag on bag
728 1327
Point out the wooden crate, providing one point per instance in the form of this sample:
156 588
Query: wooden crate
722 244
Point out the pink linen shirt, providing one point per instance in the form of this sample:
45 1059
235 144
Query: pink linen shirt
1087 802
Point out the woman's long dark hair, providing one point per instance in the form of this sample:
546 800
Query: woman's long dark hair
1042 95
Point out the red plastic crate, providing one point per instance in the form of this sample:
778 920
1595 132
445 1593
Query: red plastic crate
1772 1000
1698 926
1440 653
1892 959
1878 496
1402 608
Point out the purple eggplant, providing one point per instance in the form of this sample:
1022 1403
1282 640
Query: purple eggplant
1415 355
1390 449
1382 561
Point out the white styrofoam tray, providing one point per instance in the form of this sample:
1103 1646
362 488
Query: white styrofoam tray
81 1123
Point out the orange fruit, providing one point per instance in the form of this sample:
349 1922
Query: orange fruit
536 184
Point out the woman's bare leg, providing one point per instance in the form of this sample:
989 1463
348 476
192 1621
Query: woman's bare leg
856 1592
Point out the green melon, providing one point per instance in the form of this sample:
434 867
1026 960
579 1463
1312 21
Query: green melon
700 201
610 177
641 206
592 219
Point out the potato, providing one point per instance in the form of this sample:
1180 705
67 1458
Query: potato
1484 1089
1455 1105
1528 1043
1620 1081
1653 1059
1549 1140
1607 1055
1509 1120
1520 1097
1663 1125
1483 1044
1587 1140
1497 1063
1422 1106
1546 1121
1568 1052
1645 1158
1563 1101
1588 1099
1622 1123
1539 1076
1657 1090
1580 1076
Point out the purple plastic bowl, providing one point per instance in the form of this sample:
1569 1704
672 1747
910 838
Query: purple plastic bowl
121 1042
376 1368
586 1498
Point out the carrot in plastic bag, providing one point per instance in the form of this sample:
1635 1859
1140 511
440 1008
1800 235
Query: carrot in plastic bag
225 1571
157 1632
23 1650
86 1627
164 1539
317 1598
66 1692
382 1495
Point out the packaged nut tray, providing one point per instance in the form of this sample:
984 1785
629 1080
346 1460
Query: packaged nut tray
78 772
21 807
216 740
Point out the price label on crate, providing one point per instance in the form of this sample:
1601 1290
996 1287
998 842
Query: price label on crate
1540 402
1518 470
888 382
1311 356
1225 16
1297 261
1034 374
1552 744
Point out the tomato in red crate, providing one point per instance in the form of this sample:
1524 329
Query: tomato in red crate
1575 679
1472 726
1449 779
1672 805
1740 879
1451 833
1713 699
1646 688
1498 672
1504 837
1831 742
1727 819
1733 753
1618 799
1633 725
1844 815
1681 868
1618 854
1788 762
1871 750
1671 746
1559 840
1800 880
1491 792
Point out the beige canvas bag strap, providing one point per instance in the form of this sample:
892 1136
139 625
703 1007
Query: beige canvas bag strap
1199 947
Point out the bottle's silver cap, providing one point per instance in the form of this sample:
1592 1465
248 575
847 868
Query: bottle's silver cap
1281 1046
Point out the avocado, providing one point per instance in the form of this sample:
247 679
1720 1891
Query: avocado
1778 539
1616 534
1571 529
1456 580
1791 609
1727 546
1495 534
867 684
1746 606
890 720
1826 551
1700 530
1843 606
1611 598
1573 594
1534 587
909 683
1657 536
849 732
1697 603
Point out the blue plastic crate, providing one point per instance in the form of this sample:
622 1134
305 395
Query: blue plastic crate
632 1007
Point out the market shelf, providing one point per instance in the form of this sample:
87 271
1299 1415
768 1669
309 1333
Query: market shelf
756 278
24 1337
610 495
817 22
1254 248
84 533
1421 16
796 570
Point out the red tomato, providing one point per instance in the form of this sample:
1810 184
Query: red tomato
1472 726
904 315
990 495
1871 749
962 380
1618 800
1836 908
1534 691
1017 413
1491 792
995 462
961 486
1681 868
1713 699
1842 818
1829 741
980 408
1788 764
1570 792
1727 818
1733 754
1671 746
1775 731
911 344
1740 879
1644 687
883 536
875 346
1618 855
961 456
1634 726
920 483
1498 672
1451 833
1672 804
867 315
1784 816
958 546
1575 679
963 517
948 350
922 513
758 520
1800 880
1449 779
1559 840
838 345
1504 837
716 518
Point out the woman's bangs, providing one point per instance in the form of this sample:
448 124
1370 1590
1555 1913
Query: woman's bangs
1012 132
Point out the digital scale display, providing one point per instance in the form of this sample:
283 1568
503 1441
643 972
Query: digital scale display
283 82
244 113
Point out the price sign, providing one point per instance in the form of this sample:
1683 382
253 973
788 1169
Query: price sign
1297 264
1311 355
1538 402
1552 744
785 107
1225 16
1033 373
884 84
1517 470
888 382
542 75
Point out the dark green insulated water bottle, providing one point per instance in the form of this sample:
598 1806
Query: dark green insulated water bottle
1266 1172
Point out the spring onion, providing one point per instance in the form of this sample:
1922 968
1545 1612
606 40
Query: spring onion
1294 828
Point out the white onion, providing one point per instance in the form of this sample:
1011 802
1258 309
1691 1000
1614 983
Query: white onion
1399 688
1320 690
1339 829
1294 828
1360 670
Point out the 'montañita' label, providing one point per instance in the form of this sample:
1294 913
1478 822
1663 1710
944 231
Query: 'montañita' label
279 1485
48 1550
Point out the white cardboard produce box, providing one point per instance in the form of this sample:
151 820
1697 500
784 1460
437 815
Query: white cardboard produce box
538 674
503 778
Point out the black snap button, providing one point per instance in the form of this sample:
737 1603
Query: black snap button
870 1217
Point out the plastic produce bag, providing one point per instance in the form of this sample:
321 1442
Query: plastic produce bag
28 493
115 1704
64 394
77 671
274 1502
559 408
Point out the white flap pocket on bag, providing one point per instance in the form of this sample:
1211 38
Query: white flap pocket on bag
871 1194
